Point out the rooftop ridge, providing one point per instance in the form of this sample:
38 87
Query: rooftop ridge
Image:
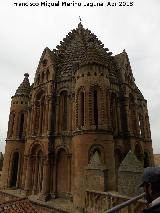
81 31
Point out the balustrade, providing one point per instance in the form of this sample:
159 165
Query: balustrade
109 202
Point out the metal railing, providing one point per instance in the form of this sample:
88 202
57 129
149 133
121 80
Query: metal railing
124 204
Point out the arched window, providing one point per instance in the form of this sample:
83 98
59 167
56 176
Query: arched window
99 150
42 77
113 109
37 114
11 124
38 172
38 79
14 170
147 126
132 114
146 160
47 75
44 62
96 157
82 108
95 108
21 126
40 113
140 122
64 110
107 108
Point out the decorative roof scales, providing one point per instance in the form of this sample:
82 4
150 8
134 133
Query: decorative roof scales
24 88
18 205
80 47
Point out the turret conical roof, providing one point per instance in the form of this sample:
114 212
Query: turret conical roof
24 88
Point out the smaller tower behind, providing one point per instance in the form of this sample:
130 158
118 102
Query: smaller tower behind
16 135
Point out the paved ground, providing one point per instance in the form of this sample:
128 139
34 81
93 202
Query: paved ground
58 204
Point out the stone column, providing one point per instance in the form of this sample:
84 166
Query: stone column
87 109
18 116
33 116
9 126
49 115
57 114
116 117
18 173
54 187
45 118
119 118
51 175
108 111
14 134
27 122
137 121
126 109
77 110
45 193
101 111
70 113
69 171
148 126
35 175
40 121
24 171
144 126
28 181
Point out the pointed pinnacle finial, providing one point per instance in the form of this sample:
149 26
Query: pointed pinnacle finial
80 19
80 24
26 75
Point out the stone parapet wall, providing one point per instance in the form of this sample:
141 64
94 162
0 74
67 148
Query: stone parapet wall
98 202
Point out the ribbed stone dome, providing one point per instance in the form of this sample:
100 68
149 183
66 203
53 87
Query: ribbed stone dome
80 47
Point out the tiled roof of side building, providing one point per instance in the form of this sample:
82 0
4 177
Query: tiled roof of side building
22 205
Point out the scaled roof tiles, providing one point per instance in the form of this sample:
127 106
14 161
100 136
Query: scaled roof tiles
22 205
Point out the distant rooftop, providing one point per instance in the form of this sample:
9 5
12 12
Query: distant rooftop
19 205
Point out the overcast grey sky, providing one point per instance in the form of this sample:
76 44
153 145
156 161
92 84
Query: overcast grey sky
26 31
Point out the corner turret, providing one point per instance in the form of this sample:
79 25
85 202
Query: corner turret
18 110
24 88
